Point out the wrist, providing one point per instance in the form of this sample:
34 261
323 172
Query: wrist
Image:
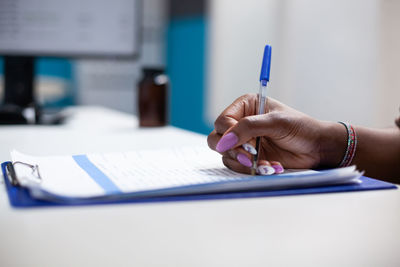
333 143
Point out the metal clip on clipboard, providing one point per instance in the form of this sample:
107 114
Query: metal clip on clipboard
12 176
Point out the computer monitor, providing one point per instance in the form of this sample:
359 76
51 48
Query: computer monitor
73 28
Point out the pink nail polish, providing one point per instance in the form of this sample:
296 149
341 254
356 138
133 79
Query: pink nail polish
244 160
278 168
227 142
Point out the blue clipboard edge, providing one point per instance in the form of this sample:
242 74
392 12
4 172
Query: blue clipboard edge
20 197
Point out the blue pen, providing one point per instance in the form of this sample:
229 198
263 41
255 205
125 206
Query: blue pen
262 97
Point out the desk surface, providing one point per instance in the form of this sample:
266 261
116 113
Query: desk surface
340 229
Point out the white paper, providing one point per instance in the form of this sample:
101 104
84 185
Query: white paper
183 168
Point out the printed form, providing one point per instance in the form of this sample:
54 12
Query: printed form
95 174
181 170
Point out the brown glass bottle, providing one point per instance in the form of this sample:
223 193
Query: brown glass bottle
152 96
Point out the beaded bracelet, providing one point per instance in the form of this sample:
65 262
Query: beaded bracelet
351 145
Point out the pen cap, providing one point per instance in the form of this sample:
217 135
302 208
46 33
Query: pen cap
266 64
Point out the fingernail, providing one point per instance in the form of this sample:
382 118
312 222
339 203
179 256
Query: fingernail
278 168
244 160
227 142
265 170
249 148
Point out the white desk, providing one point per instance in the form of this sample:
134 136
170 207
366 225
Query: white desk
340 229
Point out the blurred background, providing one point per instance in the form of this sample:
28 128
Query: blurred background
333 59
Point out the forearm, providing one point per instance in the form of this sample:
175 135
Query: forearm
377 152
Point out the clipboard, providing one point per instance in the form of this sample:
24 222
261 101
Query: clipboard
20 197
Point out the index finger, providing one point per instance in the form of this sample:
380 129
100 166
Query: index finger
243 106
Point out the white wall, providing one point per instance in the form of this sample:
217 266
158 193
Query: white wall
388 99
238 32
328 57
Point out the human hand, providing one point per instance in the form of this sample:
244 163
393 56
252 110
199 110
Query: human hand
289 138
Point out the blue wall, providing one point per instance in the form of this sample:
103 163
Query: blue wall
186 50
60 68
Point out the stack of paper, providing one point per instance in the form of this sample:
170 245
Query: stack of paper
151 173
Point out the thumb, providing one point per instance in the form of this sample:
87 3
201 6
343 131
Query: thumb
268 125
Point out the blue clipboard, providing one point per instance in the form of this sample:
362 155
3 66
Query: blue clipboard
20 197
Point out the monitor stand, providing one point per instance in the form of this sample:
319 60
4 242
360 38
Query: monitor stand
19 105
